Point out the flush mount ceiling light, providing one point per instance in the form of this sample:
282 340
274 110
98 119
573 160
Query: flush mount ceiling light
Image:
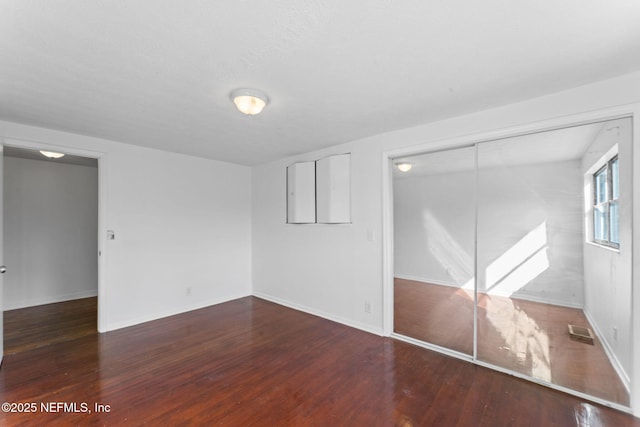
249 101
51 154
404 166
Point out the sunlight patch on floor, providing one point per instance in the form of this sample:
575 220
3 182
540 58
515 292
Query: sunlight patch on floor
522 335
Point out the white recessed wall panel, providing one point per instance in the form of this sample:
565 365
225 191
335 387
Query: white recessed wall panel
333 187
301 193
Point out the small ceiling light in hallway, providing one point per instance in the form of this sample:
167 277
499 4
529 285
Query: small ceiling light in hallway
51 154
404 166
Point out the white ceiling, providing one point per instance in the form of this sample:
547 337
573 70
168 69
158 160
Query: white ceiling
157 73
557 145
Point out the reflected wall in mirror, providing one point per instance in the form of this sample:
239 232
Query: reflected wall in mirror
545 222
553 251
434 232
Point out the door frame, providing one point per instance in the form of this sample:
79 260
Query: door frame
388 157
102 211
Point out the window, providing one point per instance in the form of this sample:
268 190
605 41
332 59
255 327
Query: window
606 214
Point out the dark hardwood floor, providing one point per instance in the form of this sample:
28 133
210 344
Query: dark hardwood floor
254 363
32 327
526 337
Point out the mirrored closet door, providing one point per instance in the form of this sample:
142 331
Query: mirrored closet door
544 221
434 232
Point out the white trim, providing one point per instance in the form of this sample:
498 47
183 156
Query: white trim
425 280
319 313
541 300
38 145
102 210
603 160
433 347
174 311
509 132
603 247
51 300
476 276
532 298
635 273
624 377
103 320
387 245
554 123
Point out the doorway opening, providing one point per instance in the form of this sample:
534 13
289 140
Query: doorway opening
50 217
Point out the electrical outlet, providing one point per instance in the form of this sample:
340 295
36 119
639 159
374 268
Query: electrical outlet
367 307
615 333
188 291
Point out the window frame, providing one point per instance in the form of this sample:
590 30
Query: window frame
605 206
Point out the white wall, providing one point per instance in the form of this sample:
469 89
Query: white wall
181 223
607 272
434 226
51 238
530 232
329 270
333 270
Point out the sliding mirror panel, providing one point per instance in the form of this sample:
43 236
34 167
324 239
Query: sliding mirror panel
554 257
434 232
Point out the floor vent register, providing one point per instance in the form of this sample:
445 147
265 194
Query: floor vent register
581 334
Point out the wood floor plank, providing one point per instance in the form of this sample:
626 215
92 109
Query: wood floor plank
250 362
527 337
32 327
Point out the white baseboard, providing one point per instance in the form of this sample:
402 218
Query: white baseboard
532 298
425 280
112 326
624 377
319 313
49 300
550 301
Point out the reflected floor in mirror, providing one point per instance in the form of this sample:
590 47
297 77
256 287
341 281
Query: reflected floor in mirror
440 315
527 337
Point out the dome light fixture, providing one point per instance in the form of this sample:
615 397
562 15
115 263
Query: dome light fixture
404 166
51 154
249 101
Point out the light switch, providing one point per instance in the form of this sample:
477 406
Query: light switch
111 235
371 235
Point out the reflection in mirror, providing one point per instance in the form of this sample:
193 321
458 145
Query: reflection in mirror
434 232
554 251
